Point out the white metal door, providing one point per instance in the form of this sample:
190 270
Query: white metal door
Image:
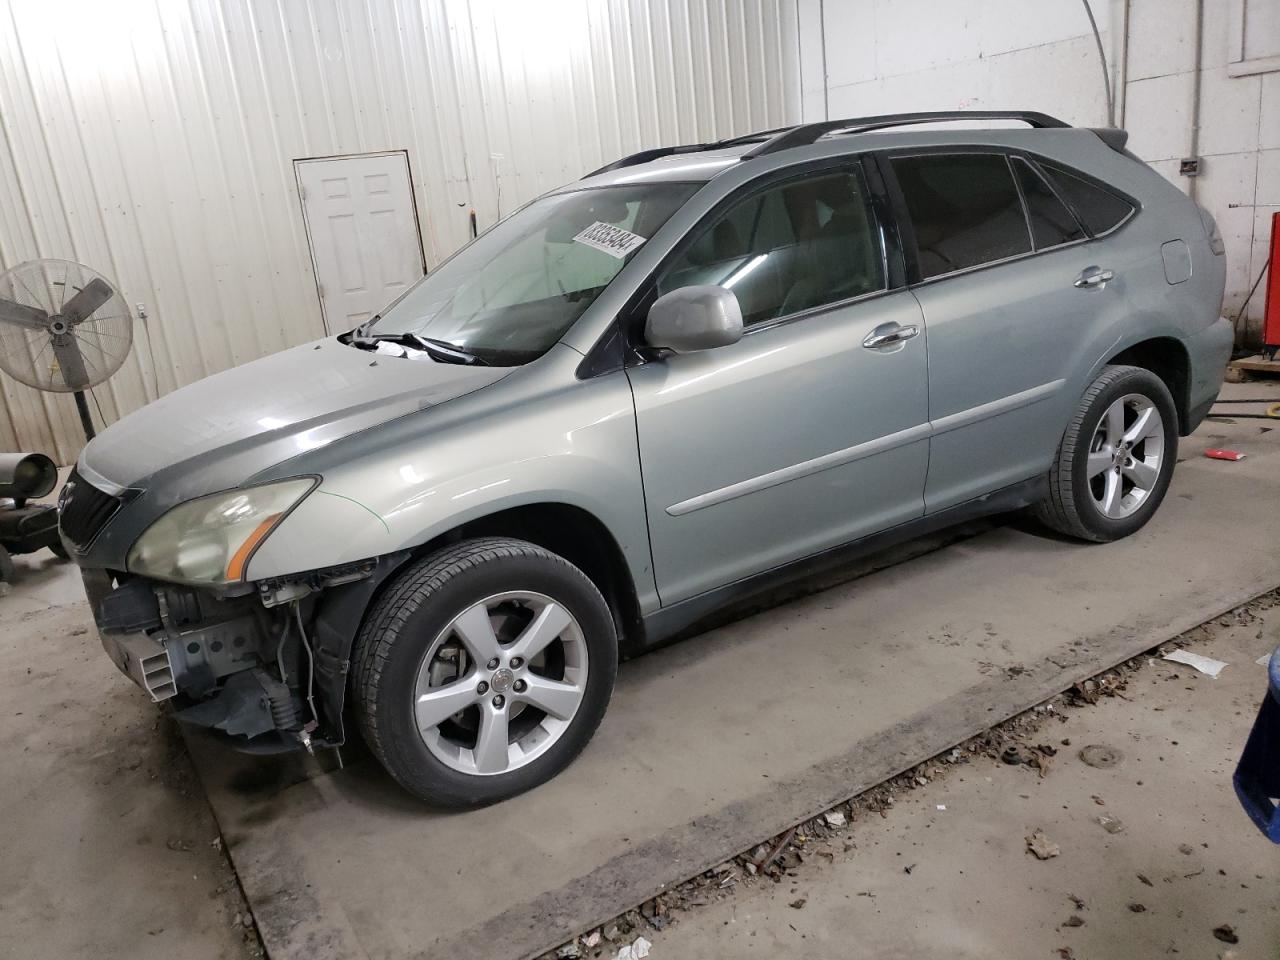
363 233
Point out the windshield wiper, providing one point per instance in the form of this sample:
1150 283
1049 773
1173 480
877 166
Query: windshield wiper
445 348
438 349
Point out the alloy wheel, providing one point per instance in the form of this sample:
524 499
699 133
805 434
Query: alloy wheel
501 683
1125 456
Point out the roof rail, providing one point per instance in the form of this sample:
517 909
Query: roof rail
783 138
807 133
644 156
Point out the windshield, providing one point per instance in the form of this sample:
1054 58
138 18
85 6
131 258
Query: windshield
513 292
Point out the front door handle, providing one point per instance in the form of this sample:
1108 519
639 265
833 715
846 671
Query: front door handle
888 334
1093 277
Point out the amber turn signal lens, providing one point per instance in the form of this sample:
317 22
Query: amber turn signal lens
235 569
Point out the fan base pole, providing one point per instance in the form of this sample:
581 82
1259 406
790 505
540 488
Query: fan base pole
86 421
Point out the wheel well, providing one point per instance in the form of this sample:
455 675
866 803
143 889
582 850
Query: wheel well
1168 360
574 534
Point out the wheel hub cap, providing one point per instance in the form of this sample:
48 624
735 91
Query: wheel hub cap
501 683
1125 456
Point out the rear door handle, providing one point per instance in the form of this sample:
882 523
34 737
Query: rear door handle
1093 277
888 334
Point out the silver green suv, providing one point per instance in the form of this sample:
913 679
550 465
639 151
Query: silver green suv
695 372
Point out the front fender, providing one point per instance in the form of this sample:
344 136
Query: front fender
575 446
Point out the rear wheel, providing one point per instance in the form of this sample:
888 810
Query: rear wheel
1116 458
484 670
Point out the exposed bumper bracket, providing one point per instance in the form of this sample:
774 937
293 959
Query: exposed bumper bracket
144 660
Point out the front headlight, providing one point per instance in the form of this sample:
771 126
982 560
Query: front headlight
210 540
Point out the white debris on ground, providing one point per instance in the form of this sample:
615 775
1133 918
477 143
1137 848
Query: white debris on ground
635 951
1206 665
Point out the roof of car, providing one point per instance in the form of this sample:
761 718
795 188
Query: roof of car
703 161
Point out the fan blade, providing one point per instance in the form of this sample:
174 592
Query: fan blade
95 293
19 313
71 362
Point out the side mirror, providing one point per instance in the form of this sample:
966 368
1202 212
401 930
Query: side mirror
694 318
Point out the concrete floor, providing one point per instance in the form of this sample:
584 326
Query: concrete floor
108 846
109 849
947 872
712 744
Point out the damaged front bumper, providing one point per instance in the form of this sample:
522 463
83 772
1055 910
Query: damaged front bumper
221 662
264 664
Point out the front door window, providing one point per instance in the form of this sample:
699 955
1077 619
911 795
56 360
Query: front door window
791 247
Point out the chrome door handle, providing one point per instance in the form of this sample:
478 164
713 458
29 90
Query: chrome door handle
1093 277
889 334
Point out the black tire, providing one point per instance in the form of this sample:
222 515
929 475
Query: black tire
1070 507
417 606
58 550
8 572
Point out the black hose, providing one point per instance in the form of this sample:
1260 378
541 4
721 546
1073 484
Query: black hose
284 711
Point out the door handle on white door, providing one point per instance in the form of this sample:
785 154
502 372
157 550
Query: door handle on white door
886 335
1093 277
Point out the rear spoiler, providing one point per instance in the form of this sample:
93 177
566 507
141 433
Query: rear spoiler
1113 137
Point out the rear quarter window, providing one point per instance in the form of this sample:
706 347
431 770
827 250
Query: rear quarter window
1099 209
1052 224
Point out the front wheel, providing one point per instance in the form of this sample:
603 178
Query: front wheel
484 670
1116 458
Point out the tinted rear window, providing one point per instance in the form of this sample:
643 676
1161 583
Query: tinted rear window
1051 222
964 209
1101 210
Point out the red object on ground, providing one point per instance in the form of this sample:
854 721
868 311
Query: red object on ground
1271 315
1216 454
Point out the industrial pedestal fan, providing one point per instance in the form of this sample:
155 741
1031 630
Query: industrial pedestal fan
64 328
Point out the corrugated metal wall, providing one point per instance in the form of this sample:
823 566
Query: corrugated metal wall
154 140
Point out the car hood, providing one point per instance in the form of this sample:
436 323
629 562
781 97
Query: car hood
236 423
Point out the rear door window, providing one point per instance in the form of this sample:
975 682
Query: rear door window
964 209
1052 224
1099 209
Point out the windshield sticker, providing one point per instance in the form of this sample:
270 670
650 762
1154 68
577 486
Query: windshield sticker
612 240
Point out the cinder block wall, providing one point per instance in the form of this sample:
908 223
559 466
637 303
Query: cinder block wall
879 56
